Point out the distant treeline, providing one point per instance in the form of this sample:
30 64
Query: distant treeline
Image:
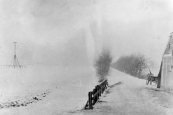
132 64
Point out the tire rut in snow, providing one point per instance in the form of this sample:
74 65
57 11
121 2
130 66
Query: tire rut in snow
108 91
130 100
24 102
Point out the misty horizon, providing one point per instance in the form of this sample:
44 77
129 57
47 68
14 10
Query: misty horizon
74 32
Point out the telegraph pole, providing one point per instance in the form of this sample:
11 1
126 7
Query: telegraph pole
15 62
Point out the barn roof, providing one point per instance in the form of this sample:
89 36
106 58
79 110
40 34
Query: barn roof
169 46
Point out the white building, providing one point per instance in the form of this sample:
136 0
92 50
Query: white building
167 66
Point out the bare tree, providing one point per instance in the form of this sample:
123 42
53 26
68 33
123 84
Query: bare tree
102 64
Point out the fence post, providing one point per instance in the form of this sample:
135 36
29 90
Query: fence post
96 95
93 98
95 91
98 89
90 100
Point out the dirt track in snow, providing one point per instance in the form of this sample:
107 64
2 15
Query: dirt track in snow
131 96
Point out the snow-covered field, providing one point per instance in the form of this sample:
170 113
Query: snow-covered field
44 90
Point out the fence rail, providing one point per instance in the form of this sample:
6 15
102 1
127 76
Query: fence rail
94 95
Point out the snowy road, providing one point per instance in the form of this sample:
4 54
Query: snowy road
130 96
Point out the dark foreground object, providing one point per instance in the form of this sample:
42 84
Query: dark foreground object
152 78
94 95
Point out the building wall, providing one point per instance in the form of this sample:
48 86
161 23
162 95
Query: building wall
167 73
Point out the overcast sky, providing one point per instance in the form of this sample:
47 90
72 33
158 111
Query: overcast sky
74 31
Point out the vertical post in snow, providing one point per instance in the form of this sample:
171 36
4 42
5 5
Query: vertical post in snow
90 100
98 90
159 76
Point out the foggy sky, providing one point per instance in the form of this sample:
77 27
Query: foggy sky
74 31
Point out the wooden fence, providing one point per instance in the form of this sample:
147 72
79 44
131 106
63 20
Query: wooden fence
94 95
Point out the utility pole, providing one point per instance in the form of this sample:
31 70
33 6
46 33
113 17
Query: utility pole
15 62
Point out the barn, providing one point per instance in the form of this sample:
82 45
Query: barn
166 68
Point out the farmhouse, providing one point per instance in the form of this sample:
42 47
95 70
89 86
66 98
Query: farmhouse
166 68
